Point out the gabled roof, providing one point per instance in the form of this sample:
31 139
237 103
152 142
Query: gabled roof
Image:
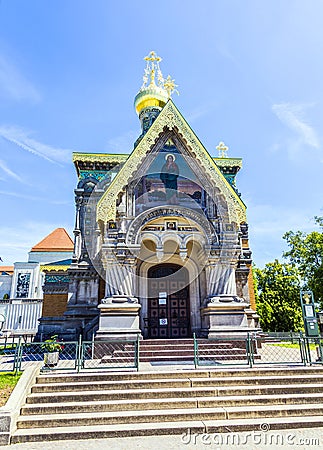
57 241
169 118
7 269
64 262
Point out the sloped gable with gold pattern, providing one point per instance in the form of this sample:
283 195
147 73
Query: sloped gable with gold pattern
170 119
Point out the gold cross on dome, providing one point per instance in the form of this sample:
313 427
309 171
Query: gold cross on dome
222 149
152 57
152 67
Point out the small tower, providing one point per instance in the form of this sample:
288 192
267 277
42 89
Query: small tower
153 94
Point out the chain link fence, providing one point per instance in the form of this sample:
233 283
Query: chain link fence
260 349
254 349
313 348
65 359
280 350
222 351
74 356
8 357
96 355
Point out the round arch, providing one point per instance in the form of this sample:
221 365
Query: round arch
194 279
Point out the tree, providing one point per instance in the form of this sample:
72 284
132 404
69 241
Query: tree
278 302
306 252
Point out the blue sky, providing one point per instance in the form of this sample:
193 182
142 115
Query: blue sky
249 73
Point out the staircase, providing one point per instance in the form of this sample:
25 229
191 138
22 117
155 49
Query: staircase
179 350
183 350
101 405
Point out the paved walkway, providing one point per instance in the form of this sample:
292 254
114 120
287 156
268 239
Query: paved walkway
300 439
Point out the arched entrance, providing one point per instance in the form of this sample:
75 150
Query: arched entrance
168 302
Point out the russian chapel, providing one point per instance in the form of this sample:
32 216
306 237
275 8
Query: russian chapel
161 244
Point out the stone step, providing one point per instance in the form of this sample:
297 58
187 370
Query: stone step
227 391
125 417
182 352
271 389
169 403
86 405
170 358
183 382
203 346
270 379
106 385
190 342
167 415
169 341
207 359
163 428
216 373
63 397
116 376
105 431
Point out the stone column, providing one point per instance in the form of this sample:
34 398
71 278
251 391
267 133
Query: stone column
221 279
120 278
223 312
77 228
119 310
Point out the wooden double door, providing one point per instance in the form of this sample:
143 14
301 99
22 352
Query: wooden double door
168 302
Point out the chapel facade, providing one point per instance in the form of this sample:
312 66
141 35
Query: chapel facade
161 236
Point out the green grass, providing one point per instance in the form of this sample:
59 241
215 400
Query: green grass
290 345
8 381
7 349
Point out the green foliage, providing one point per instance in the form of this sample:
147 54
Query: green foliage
278 303
306 252
51 345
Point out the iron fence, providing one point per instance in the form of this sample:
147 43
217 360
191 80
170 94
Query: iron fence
259 349
254 349
8 357
65 359
313 349
109 355
279 350
224 351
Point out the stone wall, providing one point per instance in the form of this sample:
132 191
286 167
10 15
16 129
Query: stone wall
54 305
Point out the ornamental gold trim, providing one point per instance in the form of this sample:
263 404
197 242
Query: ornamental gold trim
228 162
169 118
54 268
99 157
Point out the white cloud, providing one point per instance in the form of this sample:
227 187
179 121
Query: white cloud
19 195
197 113
5 168
22 139
14 85
35 198
292 115
123 143
223 49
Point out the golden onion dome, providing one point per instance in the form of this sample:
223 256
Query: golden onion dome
152 94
